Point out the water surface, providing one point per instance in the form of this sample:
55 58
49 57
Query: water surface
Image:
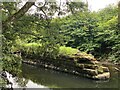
38 77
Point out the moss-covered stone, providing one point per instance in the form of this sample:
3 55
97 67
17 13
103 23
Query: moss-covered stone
105 69
103 76
79 64
100 70
91 72
90 66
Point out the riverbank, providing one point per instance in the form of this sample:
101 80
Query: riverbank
83 65
116 67
39 77
56 79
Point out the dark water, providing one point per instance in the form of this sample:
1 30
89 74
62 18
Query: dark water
37 77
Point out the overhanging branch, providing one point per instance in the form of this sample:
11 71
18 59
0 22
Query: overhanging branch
18 14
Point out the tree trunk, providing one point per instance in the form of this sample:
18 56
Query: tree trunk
119 13
18 14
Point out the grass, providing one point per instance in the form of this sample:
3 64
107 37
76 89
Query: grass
32 44
63 50
67 50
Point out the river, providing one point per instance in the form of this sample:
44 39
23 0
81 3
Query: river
38 77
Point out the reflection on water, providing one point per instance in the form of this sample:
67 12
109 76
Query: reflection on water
37 77
18 82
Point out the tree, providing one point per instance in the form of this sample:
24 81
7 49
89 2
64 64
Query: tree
119 13
40 30
93 32
18 14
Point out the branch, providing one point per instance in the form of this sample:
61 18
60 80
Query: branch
18 14
41 8
59 8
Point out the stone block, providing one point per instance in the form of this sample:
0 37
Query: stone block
90 66
102 76
91 72
105 69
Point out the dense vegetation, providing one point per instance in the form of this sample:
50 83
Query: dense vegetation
94 32
39 36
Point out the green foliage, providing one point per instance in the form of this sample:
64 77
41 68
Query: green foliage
81 31
39 51
67 50
8 9
77 6
94 32
37 36
12 63
19 36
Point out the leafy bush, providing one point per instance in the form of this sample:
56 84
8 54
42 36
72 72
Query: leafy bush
39 51
12 63
95 32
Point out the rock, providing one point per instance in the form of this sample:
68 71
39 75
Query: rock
46 65
100 70
81 66
105 69
90 66
85 55
103 76
117 69
91 72
3 74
